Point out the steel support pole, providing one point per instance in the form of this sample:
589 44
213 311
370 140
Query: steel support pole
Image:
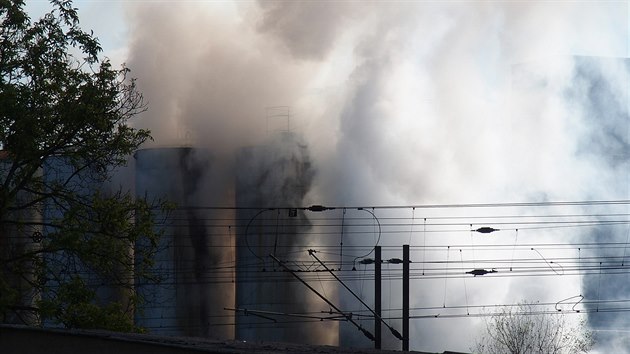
405 299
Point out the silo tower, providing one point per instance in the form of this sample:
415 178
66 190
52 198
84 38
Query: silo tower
194 249
272 175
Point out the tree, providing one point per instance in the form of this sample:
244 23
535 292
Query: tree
521 329
68 250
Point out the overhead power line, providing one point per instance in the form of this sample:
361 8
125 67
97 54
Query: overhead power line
320 208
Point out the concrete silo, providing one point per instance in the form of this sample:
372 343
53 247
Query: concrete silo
35 239
20 233
194 247
276 174
68 220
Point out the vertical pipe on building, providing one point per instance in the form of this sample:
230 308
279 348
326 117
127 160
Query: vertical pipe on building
405 301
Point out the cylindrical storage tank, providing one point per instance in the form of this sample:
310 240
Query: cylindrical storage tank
20 233
277 174
196 246
112 284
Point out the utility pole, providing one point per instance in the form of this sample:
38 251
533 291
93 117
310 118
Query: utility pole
405 299
377 297
378 319
376 316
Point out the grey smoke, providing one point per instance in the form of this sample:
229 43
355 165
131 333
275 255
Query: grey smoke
600 87
207 80
307 30
405 103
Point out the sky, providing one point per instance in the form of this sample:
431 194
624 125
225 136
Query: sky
404 103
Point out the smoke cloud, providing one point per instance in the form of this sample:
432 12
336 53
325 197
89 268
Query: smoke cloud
206 76
405 103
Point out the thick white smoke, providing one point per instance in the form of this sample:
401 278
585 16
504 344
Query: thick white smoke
400 102
208 76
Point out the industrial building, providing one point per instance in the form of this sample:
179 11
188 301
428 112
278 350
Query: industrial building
214 253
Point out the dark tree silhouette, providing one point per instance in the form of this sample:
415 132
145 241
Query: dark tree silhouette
67 249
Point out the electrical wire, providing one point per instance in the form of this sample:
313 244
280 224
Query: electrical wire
543 228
